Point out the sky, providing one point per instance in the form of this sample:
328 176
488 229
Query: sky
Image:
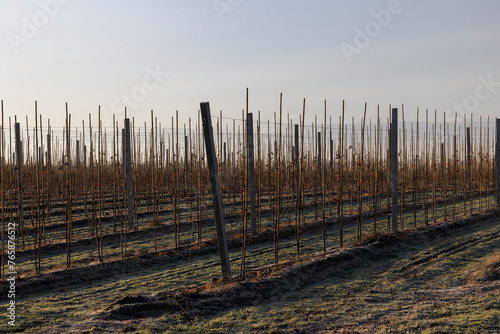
167 55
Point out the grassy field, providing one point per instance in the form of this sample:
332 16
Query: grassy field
141 241
444 278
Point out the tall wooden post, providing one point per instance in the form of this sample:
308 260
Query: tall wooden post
322 191
124 160
128 172
455 171
215 185
84 173
69 189
296 163
225 180
2 180
49 177
38 227
19 156
167 159
251 174
319 162
468 162
497 158
298 189
394 169
77 160
468 153
186 163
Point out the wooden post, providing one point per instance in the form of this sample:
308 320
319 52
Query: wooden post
84 169
360 178
225 180
99 180
38 210
377 152
443 176
154 174
296 163
434 169
49 177
69 204
497 158
167 159
2 178
251 173
278 204
417 171
340 205
124 161
297 195
186 163
403 172
177 222
394 169
19 156
469 181
77 162
319 162
426 183
455 171
259 163
128 171
215 185
244 193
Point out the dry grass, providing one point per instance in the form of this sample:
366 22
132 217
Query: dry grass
418 282
202 304
489 269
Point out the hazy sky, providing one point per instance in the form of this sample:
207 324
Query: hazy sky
171 55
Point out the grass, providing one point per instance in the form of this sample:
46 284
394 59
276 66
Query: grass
431 281
84 251
68 297
435 296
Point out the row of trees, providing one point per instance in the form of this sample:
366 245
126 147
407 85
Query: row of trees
274 174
